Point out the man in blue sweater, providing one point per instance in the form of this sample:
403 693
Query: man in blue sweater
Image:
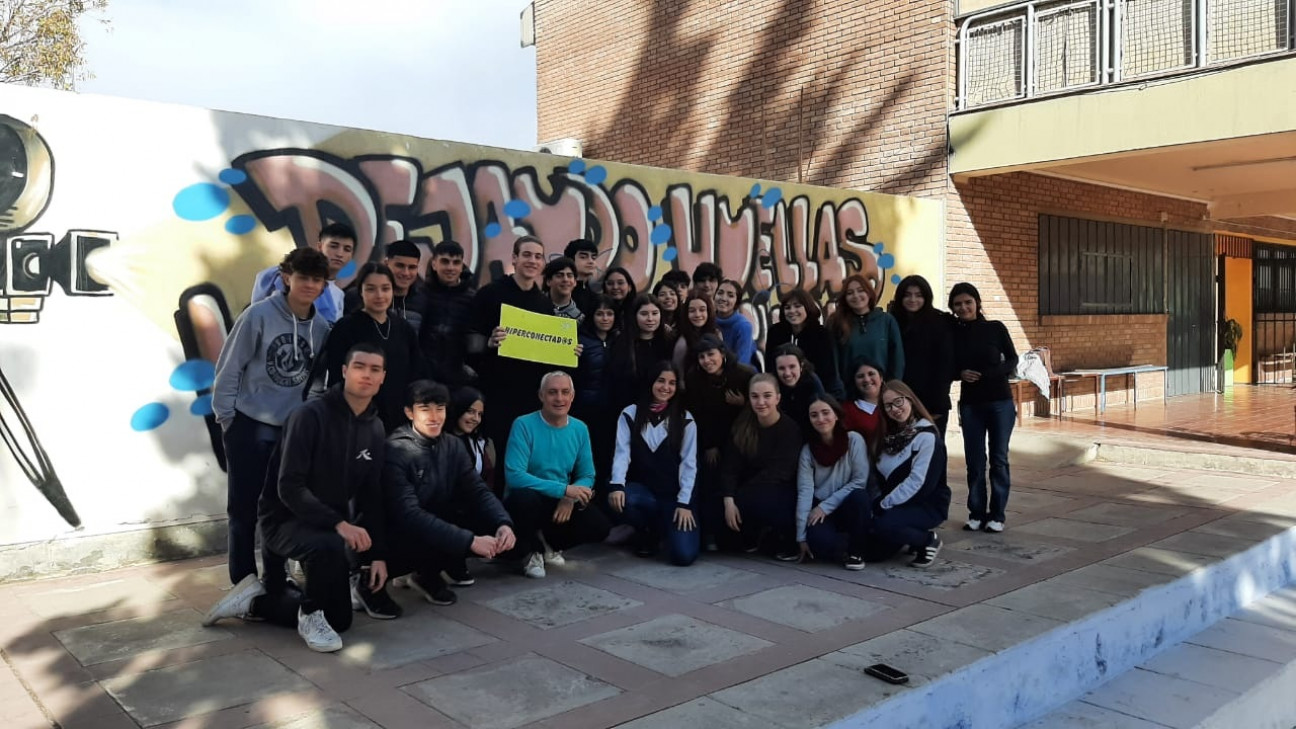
549 478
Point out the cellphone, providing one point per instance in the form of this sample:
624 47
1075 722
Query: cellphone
887 673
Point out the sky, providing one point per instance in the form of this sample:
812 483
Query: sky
444 69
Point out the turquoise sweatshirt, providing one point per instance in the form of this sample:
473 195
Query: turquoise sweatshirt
546 458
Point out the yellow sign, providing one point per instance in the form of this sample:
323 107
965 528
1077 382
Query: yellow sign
538 337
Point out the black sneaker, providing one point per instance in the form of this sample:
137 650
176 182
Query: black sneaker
853 563
432 589
927 554
458 575
378 605
788 555
645 545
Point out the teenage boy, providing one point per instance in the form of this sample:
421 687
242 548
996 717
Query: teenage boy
549 472
447 316
560 281
323 504
259 377
706 279
584 253
337 242
509 384
408 298
439 510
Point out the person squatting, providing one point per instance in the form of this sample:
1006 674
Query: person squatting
362 452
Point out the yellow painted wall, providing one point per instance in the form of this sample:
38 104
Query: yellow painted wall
1222 106
1237 305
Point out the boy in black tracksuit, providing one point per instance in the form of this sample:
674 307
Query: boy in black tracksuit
323 503
439 510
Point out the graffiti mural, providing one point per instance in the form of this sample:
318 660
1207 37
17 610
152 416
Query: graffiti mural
108 330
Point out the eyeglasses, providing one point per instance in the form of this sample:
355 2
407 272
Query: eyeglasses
896 404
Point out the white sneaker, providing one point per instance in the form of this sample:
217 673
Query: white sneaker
995 527
357 604
535 566
316 631
972 525
554 558
237 602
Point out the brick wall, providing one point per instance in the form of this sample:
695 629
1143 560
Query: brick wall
855 93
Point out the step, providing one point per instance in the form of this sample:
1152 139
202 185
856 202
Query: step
1023 665
1237 674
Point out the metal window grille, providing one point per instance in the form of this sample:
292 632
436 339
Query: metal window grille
1156 36
1066 47
995 68
1243 28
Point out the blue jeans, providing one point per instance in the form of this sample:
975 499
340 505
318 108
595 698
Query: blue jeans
995 419
851 520
906 525
248 446
655 517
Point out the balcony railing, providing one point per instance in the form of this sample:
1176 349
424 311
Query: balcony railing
1040 48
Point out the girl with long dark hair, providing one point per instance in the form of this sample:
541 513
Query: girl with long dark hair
984 357
669 300
862 413
915 495
593 403
800 324
735 328
862 330
928 337
798 384
655 467
642 343
715 393
697 319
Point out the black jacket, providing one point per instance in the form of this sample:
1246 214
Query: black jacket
425 479
443 334
985 347
503 377
817 344
329 459
704 396
592 372
929 358
404 361
773 467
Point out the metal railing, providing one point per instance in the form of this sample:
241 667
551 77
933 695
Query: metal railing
1044 47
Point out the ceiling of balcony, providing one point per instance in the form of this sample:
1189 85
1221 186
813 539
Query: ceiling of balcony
1239 177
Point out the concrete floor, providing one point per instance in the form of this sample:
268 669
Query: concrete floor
732 641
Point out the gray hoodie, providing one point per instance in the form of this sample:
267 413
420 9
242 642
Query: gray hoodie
264 364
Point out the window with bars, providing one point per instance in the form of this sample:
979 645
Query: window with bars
1275 279
1098 267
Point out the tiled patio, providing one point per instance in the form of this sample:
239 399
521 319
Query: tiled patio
1245 416
729 642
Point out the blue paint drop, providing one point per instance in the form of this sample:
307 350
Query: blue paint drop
895 279
670 254
348 270
233 177
492 230
202 407
576 166
885 261
149 417
771 198
194 375
755 191
660 234
202 201
517 209
880 248
240 224
654 213
596 175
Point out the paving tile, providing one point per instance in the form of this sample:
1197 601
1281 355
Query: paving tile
1025 501
1059 602
1195 542
1227 481
1108 578
700 575
562 603
104 642
1080 531
519 692
1171 701
804 608
1249 639
1081 715
1010 547
333 717
1221 669
923 657
1248 526
1161 561
125 592
945 574
201 687
676 644
813 693
986 626
420 635
703 712
1278 610
1130 515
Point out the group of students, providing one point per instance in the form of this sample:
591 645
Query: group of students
359 445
